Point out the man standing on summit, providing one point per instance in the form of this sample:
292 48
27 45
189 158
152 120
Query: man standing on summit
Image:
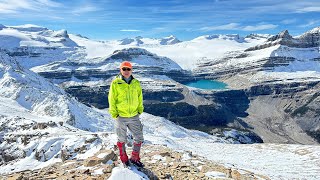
126 105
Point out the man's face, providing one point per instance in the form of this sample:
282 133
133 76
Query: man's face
126 72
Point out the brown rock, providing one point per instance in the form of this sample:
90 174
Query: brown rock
177 156
16 177
184 164
52 176
90 140
92 161
228 173
165 153
106 155
42 125
185 169
87 171
175 165
235 174
169 159
201 174
107 168
205 169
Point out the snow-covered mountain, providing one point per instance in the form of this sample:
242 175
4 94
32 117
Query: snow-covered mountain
284 72
40 122
39 43
33 36
186 54
41 98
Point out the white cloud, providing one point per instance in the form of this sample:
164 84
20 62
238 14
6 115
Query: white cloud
289 21
259 27
231 26
15 6
309 9
236 26
85 9
130 30
4 10
49 3
311 23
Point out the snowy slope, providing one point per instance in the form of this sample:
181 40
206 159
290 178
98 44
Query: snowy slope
294 64
277 161
93 48
41 97
187 54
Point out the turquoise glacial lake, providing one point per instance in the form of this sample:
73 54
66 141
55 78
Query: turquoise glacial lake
207 84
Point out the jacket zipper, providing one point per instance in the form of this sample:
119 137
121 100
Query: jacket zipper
129 99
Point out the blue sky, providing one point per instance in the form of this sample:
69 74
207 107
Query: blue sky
186 19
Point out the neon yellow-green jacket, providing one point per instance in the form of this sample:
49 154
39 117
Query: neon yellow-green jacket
125 100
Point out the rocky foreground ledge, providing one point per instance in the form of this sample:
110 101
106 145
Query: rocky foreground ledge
160 163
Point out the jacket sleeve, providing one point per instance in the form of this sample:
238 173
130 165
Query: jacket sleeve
112 101
140 106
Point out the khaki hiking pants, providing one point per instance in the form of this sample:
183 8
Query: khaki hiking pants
133 124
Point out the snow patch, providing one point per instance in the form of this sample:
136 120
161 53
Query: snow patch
119 173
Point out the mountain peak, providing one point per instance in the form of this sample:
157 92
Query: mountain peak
169 40
283 35
311 38
129 51
170 36
2 26
61 33
127 41
314 30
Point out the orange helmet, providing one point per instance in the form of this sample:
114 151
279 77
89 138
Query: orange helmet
125 64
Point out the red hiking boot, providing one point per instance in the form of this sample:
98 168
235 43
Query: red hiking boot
123 155
135 156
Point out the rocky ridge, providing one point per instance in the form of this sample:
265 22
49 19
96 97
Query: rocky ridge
309 39
139 41
160 163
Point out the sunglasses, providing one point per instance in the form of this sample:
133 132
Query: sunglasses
126 69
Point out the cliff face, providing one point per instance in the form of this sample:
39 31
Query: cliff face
297 107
